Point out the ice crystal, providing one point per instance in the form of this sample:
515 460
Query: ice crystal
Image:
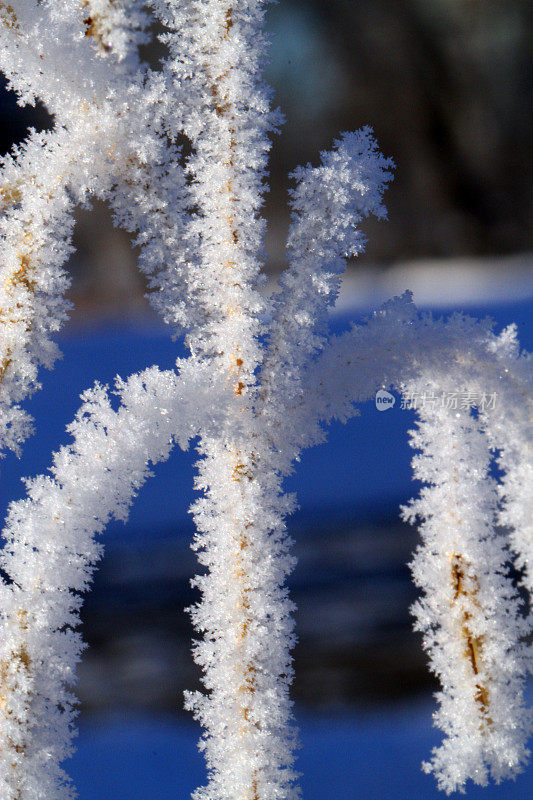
261 380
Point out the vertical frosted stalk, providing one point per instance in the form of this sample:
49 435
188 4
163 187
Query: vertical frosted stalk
244 614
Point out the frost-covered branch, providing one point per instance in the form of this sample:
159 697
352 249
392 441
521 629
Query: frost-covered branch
244 614
38 188
257 388
328 204
470 613
51 550
102 146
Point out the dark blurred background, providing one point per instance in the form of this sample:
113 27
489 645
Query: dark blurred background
447 86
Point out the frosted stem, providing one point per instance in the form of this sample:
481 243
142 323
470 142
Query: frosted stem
50 554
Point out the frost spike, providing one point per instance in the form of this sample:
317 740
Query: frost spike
328 204
470 612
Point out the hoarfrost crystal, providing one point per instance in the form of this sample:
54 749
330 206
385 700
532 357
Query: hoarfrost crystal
262 379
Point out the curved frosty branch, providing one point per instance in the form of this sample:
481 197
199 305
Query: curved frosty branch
51 551
470 612
40 186
102 142
35 232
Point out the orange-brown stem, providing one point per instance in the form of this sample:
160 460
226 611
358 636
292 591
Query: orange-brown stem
93 28
8 16
22 277
243 469
473 644
20 659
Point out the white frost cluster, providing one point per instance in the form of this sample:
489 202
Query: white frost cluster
259 384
